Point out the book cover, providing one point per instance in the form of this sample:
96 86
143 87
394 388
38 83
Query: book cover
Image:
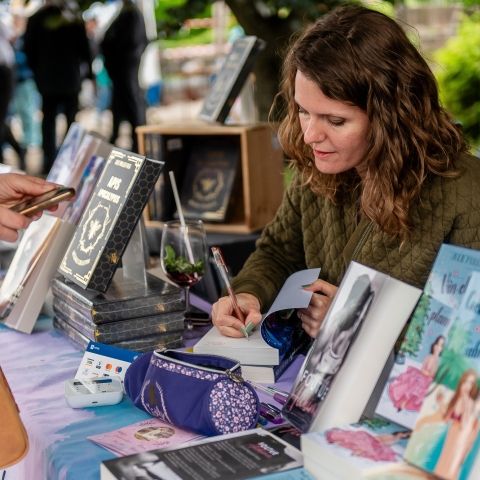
87 182
346 359
31 293
108 222
235 456
120 330
420 351
143 436
124 299
229 80
355 450
416 362
446 437
174 152
285 328
32 246
209 179
65 161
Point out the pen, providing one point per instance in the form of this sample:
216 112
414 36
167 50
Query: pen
222 269
278 395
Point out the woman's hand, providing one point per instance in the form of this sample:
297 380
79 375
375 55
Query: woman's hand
312 316
224 319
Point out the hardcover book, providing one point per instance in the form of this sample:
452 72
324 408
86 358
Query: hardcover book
279 332
144 344
142 436
113 332
355 450
446 437
65 161
125 299
108 222
173 151
422 347
235 456
230 79
209 179
346 359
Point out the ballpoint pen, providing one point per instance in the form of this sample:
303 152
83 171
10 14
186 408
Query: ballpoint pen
278 395
222 269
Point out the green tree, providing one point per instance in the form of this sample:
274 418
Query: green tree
459 76
274 21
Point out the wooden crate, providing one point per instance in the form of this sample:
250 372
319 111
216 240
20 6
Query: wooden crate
261 170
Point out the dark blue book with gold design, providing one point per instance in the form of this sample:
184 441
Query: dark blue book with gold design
109 219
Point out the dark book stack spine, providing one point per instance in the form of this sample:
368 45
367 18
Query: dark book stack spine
161 327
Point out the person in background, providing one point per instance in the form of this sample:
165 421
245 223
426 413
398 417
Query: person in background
122 48
26 99
7 61
14 188
382 173
58 52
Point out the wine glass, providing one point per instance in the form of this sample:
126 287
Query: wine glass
183 253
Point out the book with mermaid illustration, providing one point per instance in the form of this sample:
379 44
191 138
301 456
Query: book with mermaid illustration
356 450
446 437
340 372
422 347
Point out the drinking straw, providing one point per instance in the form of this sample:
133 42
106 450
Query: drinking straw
181 217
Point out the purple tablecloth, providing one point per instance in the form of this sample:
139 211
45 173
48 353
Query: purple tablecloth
36 367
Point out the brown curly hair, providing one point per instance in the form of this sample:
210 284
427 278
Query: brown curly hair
363 58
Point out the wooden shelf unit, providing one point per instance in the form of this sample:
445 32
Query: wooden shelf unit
261 172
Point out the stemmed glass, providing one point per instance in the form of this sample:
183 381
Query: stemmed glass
183 253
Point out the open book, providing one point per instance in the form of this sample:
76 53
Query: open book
346 359
277 333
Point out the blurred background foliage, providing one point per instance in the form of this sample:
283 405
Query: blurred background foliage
458 75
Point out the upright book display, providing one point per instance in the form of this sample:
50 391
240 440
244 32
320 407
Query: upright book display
230 79
253 196
109 219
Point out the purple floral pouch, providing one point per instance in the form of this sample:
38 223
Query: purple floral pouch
202 393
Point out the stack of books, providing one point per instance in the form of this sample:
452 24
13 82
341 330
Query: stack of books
129 315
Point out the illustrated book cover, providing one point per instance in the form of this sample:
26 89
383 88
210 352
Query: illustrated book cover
109 220
142 436
235 456
420 352
346 359
355 450
229 81
209 179
279 331
446 437
124 299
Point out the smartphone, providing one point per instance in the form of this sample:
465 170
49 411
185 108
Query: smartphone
45 200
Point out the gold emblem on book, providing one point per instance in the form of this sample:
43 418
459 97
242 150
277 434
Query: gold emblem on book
208 185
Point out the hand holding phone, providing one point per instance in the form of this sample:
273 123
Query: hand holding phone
44 201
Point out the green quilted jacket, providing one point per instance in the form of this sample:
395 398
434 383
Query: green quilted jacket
309 231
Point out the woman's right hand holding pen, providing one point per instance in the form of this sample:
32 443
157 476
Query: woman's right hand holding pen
225 319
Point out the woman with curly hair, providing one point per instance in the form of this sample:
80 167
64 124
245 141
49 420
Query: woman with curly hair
382 173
